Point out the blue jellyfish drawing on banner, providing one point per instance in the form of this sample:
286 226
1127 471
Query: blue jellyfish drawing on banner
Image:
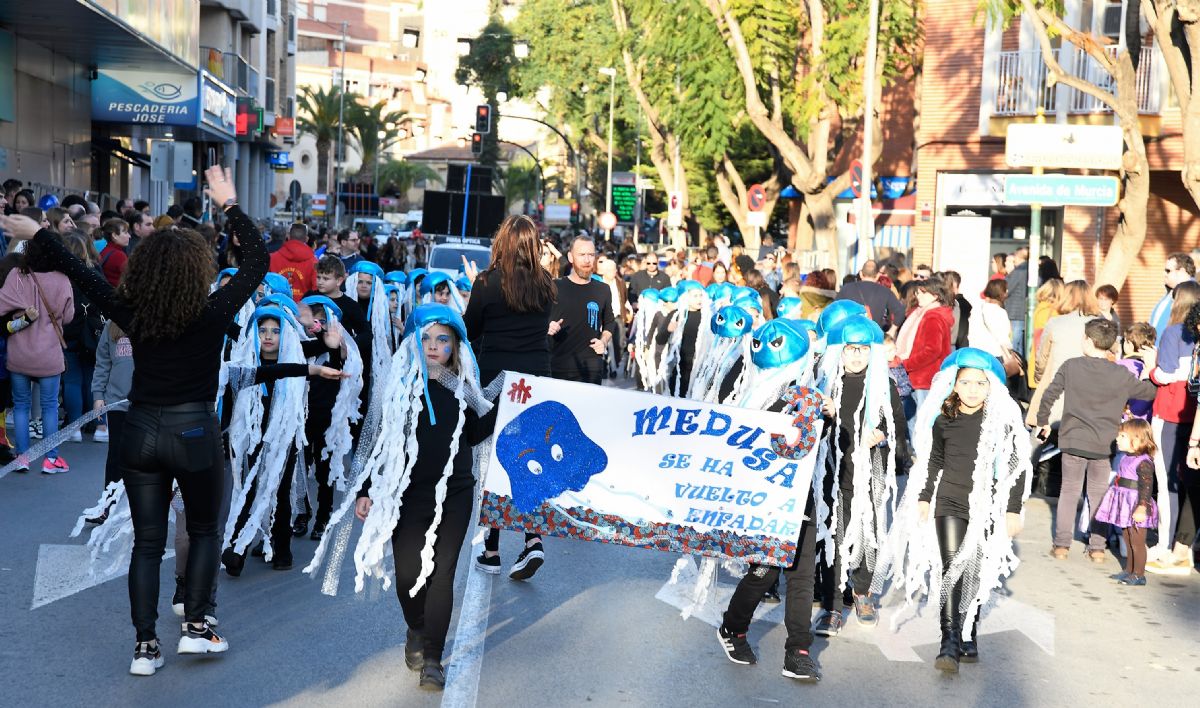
546 453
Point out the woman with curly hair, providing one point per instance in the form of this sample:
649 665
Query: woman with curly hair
171 431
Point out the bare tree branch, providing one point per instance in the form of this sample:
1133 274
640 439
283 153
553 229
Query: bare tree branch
1040 23
1161 21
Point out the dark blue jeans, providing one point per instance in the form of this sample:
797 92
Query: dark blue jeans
77 384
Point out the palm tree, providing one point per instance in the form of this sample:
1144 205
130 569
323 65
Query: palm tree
375 129
317 113
396 177
519 182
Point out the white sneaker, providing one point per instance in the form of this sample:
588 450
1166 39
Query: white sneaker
1170 565
101 435
147 658
203 641
76 436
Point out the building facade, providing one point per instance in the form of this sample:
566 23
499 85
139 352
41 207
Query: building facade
978 80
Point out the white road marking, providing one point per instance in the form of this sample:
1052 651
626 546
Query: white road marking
66 569
462 678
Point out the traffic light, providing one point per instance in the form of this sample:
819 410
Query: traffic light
477 144
483 119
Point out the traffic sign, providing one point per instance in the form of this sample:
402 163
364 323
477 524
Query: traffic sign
757 219
1064 190
607 220
756 197
1052 145
856 178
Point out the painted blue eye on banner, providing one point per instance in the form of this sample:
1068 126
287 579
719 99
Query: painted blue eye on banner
731 321
545 453
777 343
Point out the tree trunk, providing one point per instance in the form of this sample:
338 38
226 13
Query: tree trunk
805 235
1191 109
1131 229
322 166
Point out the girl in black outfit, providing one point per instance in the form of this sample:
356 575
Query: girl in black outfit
419 497
508 324
972 478
172 435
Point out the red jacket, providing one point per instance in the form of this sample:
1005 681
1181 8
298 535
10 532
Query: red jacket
930 346
296 262
112 262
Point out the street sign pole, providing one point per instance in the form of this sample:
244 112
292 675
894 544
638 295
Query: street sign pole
1035 245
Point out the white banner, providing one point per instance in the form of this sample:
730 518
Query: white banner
619 466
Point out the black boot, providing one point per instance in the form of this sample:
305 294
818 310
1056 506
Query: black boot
970 649
414 650
947 658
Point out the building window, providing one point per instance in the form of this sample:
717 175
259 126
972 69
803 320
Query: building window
1110 22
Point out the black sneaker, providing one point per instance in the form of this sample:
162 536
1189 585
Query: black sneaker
233 562
201 640
771 596
527 563
147 658
318 531
258 551
829 624
799 665
281 561
414 650
300 525
433 677
177 598
488 564
737 649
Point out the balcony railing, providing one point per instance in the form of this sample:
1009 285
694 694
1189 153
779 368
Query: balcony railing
1021 83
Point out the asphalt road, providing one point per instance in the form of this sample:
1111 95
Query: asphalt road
588 630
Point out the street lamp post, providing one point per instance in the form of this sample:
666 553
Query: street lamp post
337 170
611 73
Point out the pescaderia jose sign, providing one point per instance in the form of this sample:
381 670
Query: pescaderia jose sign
147 97
627 467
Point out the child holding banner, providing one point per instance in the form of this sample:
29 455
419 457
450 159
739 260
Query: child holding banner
421 486
776 346
971 480
865 438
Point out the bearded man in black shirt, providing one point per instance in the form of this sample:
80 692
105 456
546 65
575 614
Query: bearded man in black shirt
582 322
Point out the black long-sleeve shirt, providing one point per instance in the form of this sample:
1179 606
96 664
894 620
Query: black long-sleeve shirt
955 447
433 443
586 312
852 393
502 337
184 369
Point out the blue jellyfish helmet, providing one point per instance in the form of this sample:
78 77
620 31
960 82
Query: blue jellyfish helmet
806 326
463 284
855 329
390 288
272 312
650 294
396 277
686 286
367 267
226 272
719 291
972 358
47 201
835 312
777 343
431 313
282 301
788 307
277 284
416 273
747 298
434 279
731 321
330 306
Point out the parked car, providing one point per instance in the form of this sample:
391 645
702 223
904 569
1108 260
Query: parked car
448 253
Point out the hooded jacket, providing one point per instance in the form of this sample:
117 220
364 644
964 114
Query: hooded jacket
296 262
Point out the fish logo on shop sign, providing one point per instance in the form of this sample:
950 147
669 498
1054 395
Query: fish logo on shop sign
165 91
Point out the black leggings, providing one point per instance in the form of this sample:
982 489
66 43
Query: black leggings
950 533
162 444
315 432
859 579
429 612
281 527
